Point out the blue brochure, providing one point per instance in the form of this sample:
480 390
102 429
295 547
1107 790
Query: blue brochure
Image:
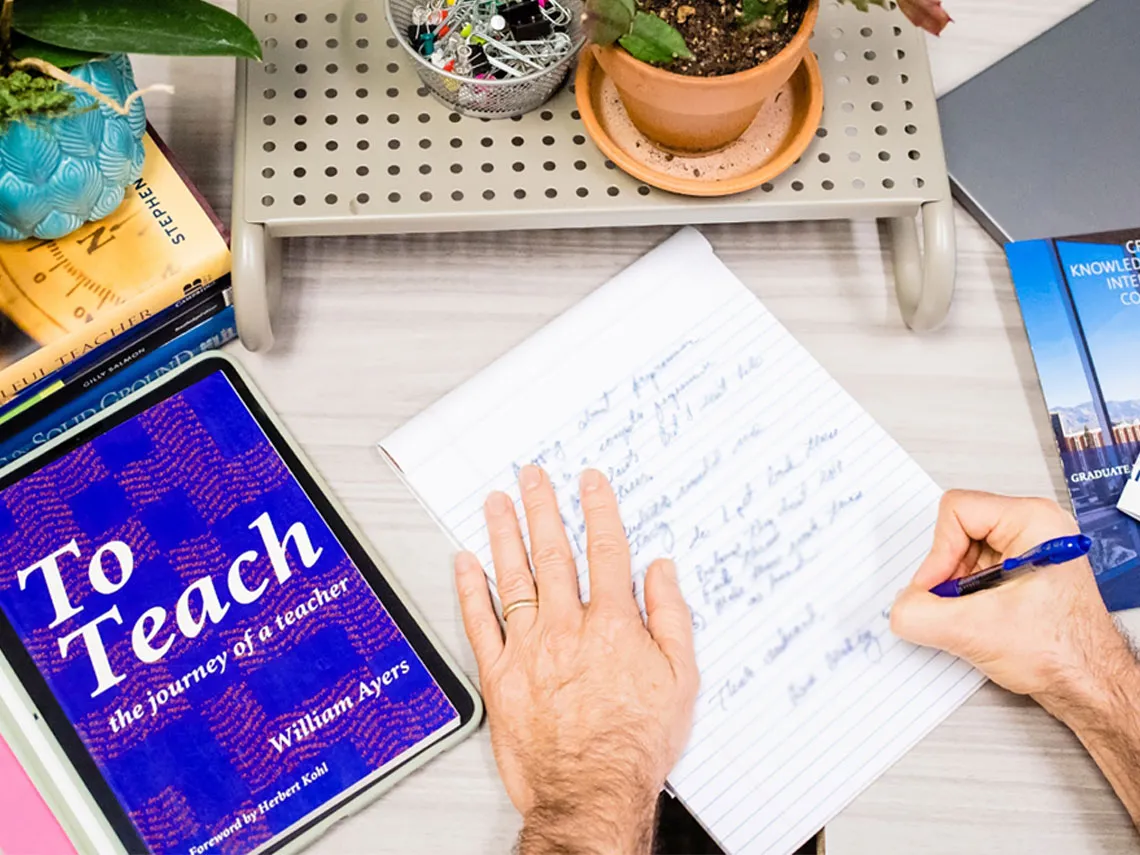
1080 299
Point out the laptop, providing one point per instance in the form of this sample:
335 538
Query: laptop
1047 141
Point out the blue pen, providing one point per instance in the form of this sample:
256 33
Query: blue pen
1058 551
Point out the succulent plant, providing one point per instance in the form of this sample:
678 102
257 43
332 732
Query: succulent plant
645 36
651 39
71 120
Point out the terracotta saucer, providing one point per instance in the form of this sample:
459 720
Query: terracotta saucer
781 132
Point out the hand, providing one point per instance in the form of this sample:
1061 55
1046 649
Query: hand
1046 634
589 706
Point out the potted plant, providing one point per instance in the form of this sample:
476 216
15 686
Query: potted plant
693 74
71 120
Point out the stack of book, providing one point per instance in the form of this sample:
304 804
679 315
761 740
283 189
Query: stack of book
85 321
95 316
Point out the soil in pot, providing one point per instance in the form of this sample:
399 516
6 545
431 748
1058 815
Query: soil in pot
719 42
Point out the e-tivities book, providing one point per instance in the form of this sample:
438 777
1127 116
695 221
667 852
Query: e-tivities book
1080 299
214 646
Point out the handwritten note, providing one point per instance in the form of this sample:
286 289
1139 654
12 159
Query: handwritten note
792 516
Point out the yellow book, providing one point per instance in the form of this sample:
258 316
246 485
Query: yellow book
61 299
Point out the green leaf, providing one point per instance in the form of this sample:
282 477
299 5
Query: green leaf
609 20
755 10
25 48
653 40
167 27
865 5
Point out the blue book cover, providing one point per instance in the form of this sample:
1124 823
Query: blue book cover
1080 300
60 417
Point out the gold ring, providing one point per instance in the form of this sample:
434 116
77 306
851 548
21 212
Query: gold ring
519 604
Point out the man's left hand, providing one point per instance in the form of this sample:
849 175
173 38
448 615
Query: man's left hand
589 706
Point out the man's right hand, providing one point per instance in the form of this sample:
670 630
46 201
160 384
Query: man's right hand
1046 634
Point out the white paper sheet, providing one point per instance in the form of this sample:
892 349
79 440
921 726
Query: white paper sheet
1130 498
792 516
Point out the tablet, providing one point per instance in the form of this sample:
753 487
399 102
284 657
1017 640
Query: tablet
199 652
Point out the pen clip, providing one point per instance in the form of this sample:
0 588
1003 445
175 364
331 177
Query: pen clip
1060 550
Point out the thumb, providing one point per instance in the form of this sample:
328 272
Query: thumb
668 618
921 617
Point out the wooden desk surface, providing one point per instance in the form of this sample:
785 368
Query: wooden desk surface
374 329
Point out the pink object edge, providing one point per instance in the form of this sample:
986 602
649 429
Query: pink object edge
27 826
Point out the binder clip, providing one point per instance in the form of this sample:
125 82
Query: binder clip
478 62
526 20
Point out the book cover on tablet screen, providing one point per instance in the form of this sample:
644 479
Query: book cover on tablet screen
1080 300
217 651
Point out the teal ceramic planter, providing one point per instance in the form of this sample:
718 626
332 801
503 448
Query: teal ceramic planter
58 173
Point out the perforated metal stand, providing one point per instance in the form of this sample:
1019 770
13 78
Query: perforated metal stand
336 135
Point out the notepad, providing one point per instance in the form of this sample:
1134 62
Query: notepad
792 516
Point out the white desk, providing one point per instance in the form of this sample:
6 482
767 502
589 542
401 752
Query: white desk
374 330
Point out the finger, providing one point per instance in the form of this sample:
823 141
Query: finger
554 568
978 556
669 620
607 549
512 570
963 626
483 631
921 617
964 519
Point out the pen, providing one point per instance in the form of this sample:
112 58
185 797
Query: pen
1057 551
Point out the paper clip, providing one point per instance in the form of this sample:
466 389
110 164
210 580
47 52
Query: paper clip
555 12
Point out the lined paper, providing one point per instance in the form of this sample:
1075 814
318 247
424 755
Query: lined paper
792 516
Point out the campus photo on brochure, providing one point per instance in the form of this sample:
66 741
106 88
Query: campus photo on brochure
1080 299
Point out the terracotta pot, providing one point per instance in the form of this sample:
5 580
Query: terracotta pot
700 114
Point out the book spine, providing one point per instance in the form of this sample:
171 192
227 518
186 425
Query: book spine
176 165
134 375
50 358
172 321
197 313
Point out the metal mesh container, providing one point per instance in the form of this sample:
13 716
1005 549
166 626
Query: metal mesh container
488 98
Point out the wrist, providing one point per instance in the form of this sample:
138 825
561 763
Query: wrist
1104 684
1101 710
606 820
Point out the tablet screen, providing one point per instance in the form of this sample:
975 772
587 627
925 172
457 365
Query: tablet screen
219 654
